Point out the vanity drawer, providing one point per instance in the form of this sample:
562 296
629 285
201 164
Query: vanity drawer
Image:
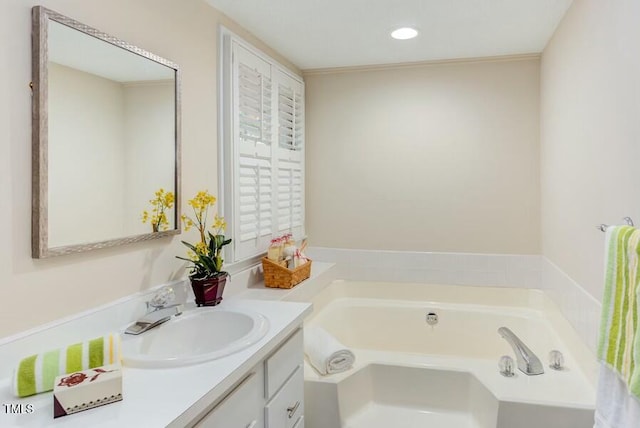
241 408
286 407
283 362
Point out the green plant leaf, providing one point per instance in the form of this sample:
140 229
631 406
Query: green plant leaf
189 245
212 243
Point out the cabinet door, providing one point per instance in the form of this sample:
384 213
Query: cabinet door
283 362
300 423
286 407
242 407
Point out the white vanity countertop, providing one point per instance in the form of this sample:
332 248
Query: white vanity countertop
168 396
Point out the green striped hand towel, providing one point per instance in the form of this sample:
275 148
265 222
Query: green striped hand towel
619 339
37 373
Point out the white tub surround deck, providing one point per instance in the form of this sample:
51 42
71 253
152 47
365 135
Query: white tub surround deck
493 270
174 397
408 370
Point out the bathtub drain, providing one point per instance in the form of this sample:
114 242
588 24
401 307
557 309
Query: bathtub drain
432 318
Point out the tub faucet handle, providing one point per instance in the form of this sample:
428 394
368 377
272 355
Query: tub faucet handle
556 360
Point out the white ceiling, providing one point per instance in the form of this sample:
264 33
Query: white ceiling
339 33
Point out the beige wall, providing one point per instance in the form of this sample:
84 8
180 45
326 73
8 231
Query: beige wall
85 188
440 157
149 125
38 291
590 134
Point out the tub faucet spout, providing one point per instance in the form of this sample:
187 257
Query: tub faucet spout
528 362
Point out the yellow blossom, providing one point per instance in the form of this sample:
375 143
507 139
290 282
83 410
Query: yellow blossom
200 204
202 201
169 199
201 248
188 223
219 223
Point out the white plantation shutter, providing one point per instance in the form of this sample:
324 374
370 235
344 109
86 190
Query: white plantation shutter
290 198
264 151
290 114
290 155
253 138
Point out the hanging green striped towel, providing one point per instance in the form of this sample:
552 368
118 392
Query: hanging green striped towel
619 339
37 373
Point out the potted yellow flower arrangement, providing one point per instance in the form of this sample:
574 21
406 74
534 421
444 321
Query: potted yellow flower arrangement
207 277
161 203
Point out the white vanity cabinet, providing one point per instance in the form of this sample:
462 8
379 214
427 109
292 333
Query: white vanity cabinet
241 407
284 385
270 396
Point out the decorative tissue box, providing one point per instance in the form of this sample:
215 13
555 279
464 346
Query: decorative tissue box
86 389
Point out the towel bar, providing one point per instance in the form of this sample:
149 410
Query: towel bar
627 220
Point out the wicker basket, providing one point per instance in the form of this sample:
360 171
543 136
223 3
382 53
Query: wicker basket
278 276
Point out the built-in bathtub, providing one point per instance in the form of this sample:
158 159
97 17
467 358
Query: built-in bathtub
446 374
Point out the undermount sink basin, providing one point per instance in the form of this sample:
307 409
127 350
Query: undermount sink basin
196 336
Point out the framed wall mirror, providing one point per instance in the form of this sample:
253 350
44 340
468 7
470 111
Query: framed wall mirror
106 139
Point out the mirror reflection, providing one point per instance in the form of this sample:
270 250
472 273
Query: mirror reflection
111 140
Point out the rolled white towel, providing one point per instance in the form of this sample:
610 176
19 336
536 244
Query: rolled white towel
325 353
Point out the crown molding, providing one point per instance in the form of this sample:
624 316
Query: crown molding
429 63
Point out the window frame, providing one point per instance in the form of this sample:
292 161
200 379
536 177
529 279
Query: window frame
227 149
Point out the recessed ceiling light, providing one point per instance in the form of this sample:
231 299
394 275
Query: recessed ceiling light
404 33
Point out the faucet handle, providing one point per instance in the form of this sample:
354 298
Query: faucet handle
162 298
506 366
556 360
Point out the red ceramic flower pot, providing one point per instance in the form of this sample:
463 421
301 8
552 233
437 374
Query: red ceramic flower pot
208 291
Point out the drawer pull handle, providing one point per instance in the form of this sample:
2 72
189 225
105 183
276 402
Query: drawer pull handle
292 410
252 424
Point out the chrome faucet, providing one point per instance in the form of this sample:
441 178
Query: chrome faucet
528 362
159 310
